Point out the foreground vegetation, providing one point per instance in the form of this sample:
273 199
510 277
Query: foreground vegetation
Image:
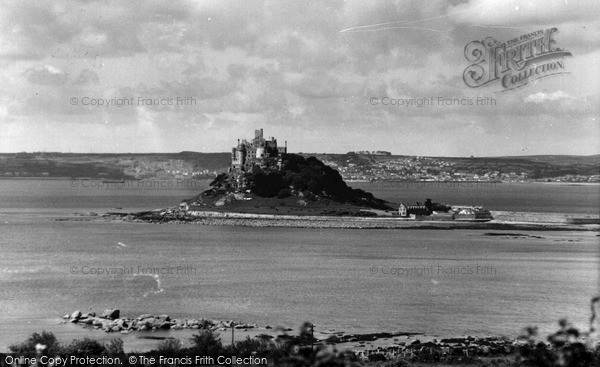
567 347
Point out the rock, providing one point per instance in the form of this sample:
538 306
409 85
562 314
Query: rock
67 316
164 318
111 314
143 327
87 321
150 322
145 316
76 315
164 325
268 327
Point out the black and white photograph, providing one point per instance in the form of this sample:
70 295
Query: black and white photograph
298 183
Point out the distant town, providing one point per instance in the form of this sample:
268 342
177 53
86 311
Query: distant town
353 166
384 166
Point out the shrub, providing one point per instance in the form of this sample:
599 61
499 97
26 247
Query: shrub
565 349
27 348
85 347
377 357
207 343
114 347
247 347
169 346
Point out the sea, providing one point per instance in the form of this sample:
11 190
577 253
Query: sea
436 282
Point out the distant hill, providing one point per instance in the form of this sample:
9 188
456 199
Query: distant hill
353 165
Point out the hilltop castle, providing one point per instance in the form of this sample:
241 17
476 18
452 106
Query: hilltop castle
259 152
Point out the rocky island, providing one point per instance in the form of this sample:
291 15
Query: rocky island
265 186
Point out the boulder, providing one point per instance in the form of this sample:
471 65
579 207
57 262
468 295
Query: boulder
67 316
76 315
111 314
87 320
150 322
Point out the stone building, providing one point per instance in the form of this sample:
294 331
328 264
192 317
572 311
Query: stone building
258 152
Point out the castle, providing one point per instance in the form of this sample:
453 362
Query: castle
259 152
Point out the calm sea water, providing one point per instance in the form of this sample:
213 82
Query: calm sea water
461 282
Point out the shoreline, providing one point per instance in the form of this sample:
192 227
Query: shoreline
507 221
148 340
144 333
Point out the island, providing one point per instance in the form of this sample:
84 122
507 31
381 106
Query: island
268 187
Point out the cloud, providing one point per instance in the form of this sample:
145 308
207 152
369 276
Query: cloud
519 13
542 97
286 66
46 75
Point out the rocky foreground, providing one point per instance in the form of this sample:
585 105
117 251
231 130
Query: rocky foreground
111 321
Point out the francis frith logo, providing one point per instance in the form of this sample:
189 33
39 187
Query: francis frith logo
516 62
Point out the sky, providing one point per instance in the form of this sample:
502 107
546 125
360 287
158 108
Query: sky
321 75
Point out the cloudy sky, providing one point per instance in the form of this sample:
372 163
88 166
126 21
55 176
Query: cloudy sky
307 72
